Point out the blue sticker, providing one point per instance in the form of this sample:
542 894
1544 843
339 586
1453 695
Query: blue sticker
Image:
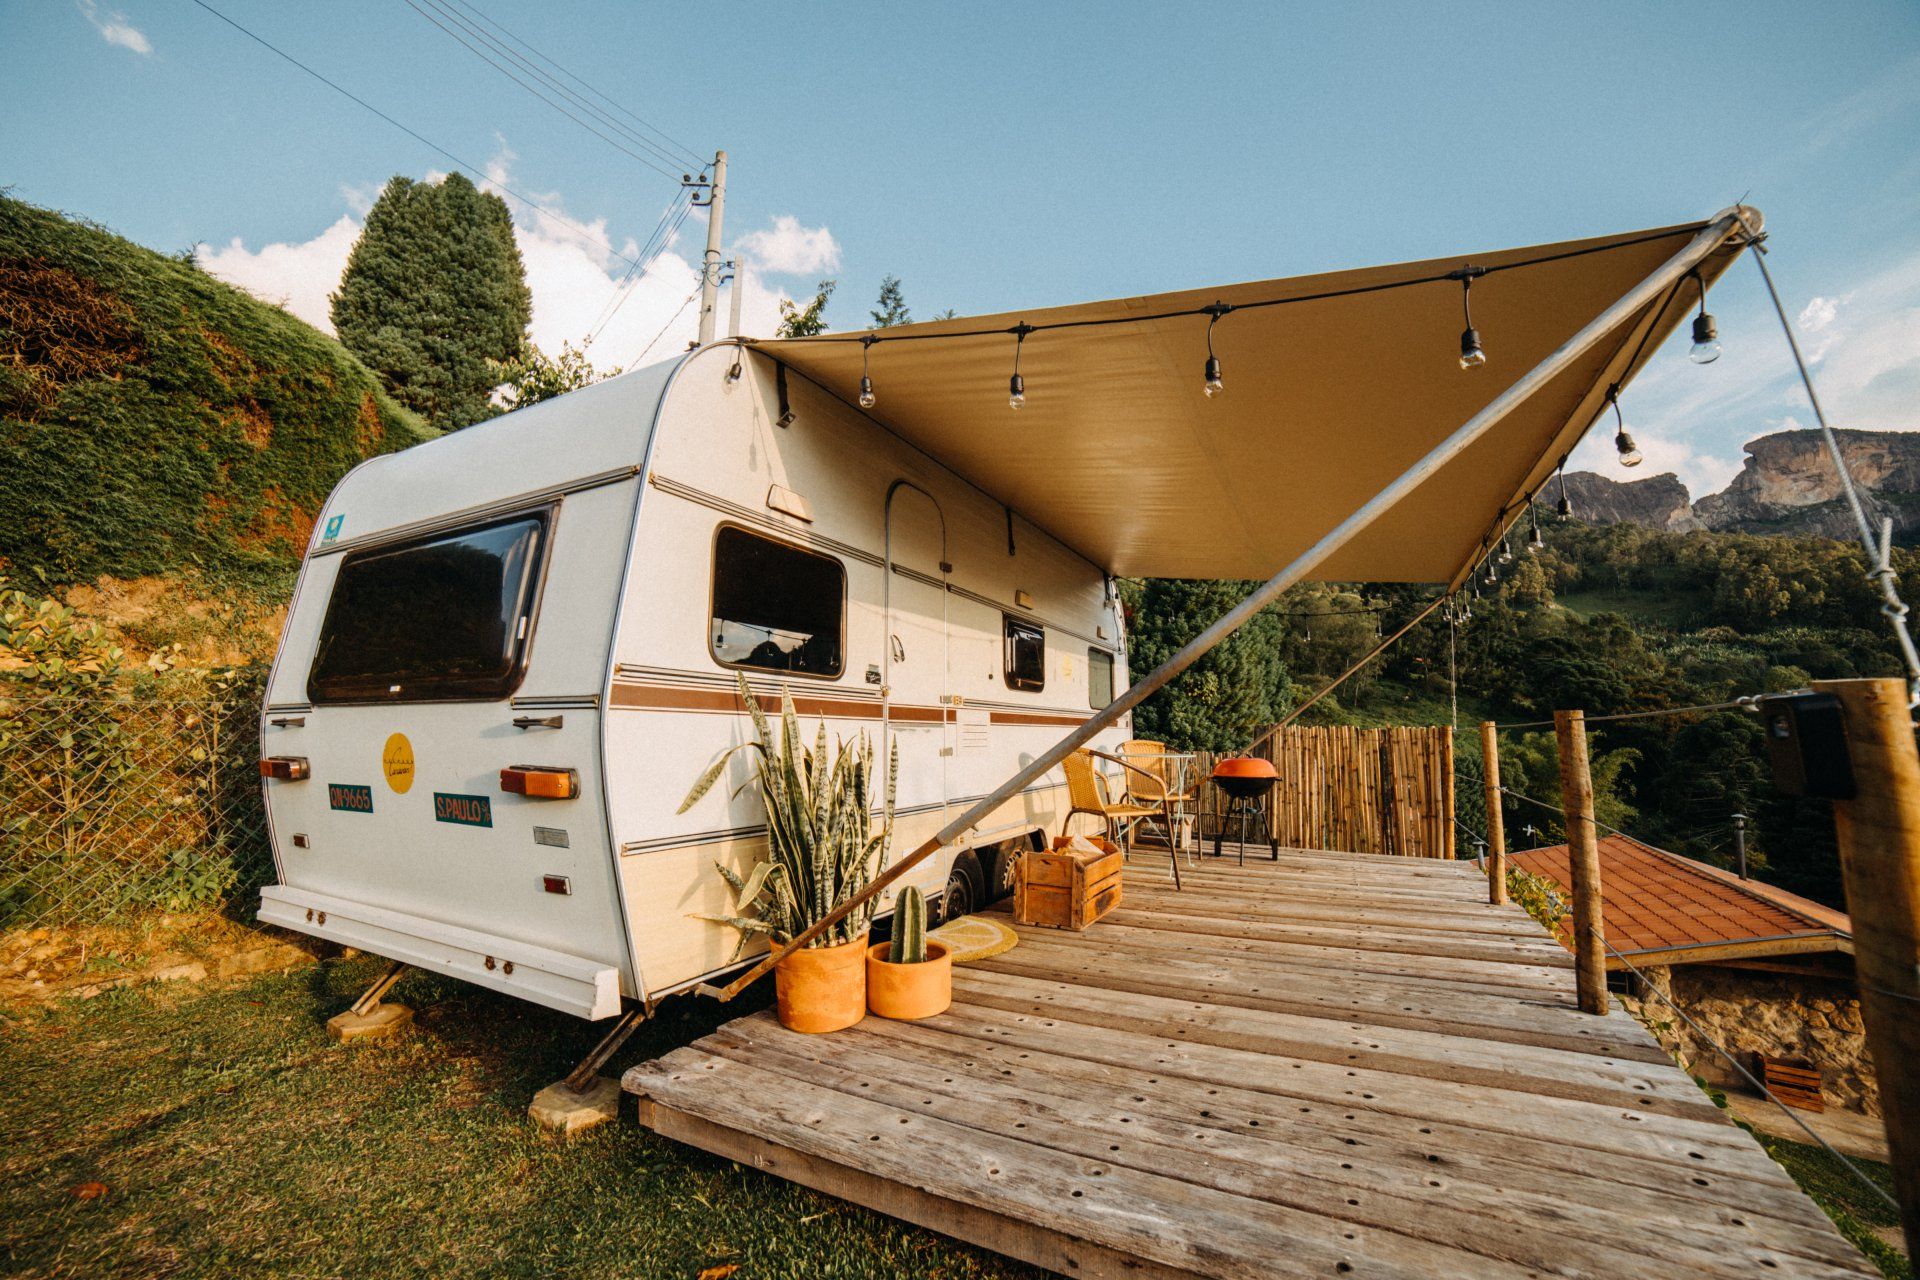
332 530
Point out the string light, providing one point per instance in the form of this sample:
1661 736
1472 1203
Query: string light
1017 386
1506 549
867 397
1214 386
1622 442
1472 354
1706 335
1493 574
1535 543
1563 508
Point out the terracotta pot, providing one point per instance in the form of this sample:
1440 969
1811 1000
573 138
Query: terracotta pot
909 991
822 988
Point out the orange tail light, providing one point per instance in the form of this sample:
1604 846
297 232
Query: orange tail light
540 782
285 768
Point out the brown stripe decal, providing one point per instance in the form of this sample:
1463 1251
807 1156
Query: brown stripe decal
660 698
1034 717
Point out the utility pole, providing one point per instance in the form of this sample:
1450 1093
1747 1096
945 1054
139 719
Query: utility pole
710 265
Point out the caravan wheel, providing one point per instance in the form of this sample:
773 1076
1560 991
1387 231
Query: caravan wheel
966 888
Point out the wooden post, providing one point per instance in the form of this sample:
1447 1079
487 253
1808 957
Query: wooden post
1583 858
1496 824
1879 835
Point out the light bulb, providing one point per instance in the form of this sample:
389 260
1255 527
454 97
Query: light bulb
1629 454
1214 385
1563 508
1472 355
1506 551
1535 542
866 392
1706 340
1016 391
1493 574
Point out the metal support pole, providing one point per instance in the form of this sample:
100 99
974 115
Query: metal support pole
625 1025
710 264
1740 842
1583 860
370 998
734 291
1496 821
1879 836
1704 242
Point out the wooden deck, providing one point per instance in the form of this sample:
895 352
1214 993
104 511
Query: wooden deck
1330 1064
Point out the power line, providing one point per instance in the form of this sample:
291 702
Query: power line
663 329
674 144
630 283
508 72
569 224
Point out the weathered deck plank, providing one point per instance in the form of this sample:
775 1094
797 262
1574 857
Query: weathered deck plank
1319 1065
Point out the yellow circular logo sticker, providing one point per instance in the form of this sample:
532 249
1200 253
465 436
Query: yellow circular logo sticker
396 761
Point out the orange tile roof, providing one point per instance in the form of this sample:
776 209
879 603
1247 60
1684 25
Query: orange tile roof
1652 900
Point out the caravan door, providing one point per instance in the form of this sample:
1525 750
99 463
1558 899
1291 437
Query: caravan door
913 687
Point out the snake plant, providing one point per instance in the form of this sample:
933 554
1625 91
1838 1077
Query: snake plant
822 844
909 928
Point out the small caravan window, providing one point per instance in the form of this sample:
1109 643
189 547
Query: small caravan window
776 607
1099 678
436 619
1026 655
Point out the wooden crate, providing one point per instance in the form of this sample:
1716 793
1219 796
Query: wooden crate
1795 1083
1063 888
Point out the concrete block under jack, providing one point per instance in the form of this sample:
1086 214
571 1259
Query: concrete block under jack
560 1110
384 1020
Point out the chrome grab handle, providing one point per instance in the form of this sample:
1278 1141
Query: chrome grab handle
538 722
899 650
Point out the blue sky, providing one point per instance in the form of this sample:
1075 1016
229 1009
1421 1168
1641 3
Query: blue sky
998 156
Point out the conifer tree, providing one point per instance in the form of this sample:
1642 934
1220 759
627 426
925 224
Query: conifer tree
434 298
892 305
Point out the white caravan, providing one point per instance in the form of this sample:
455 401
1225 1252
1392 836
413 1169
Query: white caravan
513 649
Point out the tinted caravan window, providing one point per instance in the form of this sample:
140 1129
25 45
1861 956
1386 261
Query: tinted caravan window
441 618
1026 655
1099 678
776 607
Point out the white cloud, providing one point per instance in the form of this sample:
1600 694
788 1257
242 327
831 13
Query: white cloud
576 270
114 27
1702 473
787 248
1818 314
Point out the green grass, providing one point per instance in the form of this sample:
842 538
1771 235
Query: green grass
236 1138
1663 608
1854 1209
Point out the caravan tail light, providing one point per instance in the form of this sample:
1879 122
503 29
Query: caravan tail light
540 782
286 768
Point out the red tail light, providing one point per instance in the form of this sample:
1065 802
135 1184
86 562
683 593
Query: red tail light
285 768
540 782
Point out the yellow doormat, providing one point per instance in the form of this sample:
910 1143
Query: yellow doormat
975 938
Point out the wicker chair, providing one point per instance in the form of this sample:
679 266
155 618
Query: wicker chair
1087 793
1152 780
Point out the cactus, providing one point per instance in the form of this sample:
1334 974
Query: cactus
909 928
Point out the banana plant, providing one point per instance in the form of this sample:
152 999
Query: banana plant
822 844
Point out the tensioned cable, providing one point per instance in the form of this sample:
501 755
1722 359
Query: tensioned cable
568 223
672 142
487 37
1749 702
663 329
1879 551
508 72
630 283
1747 1075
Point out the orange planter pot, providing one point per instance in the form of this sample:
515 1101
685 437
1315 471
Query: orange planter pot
822 988
909 991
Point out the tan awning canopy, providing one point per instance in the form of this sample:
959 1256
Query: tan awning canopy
1334 385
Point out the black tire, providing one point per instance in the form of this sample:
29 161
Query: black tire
966 888
1006 860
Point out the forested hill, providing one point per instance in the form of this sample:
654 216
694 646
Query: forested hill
154 420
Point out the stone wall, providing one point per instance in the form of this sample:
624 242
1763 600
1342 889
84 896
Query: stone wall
1816 1019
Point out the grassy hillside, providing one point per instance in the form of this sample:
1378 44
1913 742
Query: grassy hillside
156 421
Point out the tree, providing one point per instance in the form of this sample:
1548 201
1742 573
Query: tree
537 376
434 298
1224 699
804 322
893 305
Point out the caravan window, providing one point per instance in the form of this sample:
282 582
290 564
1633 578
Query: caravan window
1026 654
436 619
776 607
1099 678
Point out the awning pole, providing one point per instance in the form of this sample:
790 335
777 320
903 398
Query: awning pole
1703 243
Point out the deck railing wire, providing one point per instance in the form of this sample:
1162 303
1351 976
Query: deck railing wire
114 804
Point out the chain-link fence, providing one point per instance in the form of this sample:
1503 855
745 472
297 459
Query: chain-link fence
114 803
